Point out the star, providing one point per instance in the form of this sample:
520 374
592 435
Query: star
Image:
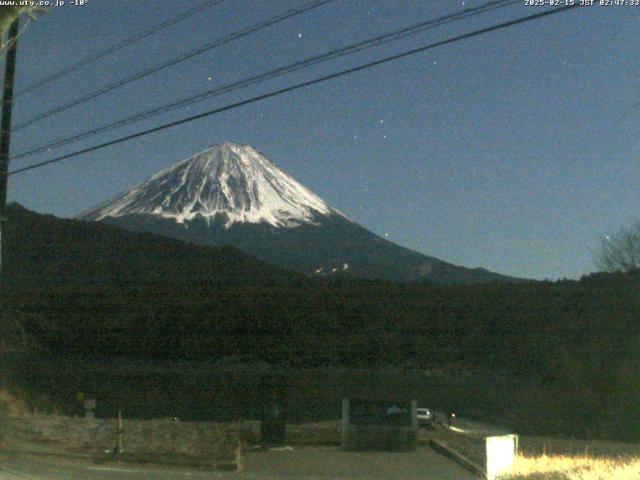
209 78
384 136
381 121
299 35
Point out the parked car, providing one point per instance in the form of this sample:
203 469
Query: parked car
426 417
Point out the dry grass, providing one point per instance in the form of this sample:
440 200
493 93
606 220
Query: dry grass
573 447
561 467
12 405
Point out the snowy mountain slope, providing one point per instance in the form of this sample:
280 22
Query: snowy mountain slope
228 181
230 194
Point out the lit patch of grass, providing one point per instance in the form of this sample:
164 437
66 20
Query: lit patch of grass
12 405
560 467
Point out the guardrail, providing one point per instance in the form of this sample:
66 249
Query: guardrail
487 454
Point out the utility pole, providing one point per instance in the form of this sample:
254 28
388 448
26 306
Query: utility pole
5 136
5 129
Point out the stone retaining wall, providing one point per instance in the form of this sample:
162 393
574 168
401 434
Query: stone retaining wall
160 436
155 436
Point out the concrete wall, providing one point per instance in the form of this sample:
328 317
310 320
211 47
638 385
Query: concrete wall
500 452
358 437
380 437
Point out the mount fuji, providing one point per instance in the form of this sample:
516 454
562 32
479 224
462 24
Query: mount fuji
231 194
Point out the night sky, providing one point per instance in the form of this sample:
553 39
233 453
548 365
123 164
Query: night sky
511 151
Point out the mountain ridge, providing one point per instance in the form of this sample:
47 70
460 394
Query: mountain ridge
231 194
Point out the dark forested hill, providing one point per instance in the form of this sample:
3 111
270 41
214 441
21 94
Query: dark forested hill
93 289
100 289
43 250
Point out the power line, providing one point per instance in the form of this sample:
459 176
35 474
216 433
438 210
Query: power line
307 62
174 61
298 86
119 46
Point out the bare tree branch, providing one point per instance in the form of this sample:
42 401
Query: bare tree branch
620 252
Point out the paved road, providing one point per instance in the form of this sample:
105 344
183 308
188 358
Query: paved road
312 463
30 467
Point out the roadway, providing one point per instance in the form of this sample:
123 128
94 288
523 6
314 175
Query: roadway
310 463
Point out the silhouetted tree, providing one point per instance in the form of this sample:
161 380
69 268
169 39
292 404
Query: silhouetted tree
620 252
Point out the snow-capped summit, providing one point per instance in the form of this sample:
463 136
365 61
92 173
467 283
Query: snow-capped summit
228 182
